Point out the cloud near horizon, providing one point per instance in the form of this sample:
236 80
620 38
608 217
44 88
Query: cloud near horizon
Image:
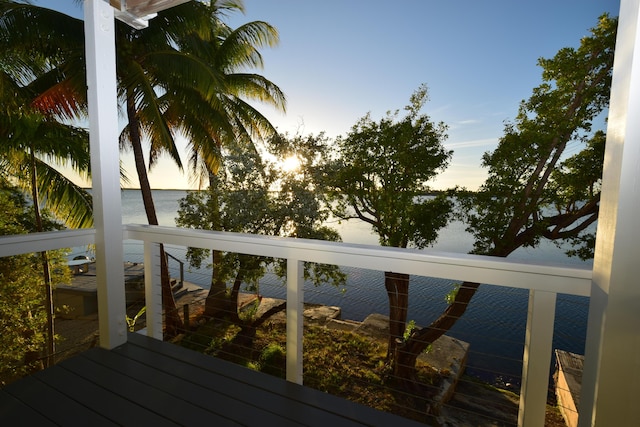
473 143
469 122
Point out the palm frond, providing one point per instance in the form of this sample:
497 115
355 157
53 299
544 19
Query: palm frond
66 200
179 71
149 113
255 86
43 56
240 47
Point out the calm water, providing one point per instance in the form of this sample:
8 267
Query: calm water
494 323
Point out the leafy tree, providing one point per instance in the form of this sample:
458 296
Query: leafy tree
37 103
534 189
23 317
380 175
173 83
249 195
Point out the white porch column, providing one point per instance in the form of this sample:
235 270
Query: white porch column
611 378
105 169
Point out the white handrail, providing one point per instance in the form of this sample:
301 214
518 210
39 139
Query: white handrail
454 266
37 242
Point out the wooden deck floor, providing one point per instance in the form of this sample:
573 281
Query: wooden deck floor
149 382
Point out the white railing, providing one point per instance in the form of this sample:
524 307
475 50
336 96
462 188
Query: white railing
38 242
544 282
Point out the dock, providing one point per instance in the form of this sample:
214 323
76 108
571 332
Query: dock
568 381
80 297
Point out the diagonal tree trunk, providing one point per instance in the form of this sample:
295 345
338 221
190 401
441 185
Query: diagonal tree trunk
420 339
51 347
173 323
408 350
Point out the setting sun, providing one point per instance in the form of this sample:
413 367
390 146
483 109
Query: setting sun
291 164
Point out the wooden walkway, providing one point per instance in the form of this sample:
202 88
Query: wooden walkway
149 382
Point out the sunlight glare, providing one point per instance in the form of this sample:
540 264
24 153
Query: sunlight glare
291 164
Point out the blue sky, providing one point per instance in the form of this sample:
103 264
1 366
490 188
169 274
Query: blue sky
339 59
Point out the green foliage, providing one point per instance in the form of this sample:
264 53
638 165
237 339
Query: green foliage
408 332
411 326
535 190
37 138
379 173
131 321
52 144
249 311
250 195
451 296
272 360
22 311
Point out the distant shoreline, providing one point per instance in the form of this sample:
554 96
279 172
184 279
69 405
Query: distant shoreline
431 193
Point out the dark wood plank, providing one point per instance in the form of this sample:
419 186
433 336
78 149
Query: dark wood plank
50 403
99 400
213 399
148 382
180 411
302 404
298 412
16 414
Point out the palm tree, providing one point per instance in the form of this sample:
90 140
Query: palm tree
38 99
28 138
169 83
42 87
229 119
175 78
34 141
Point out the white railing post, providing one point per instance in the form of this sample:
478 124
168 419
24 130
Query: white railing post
536 361
295 318
153 289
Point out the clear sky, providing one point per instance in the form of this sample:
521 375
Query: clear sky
339 59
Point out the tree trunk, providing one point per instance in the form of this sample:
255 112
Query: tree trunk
407 351
173 322
235 293
397 286
217 303
46 273
420 339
